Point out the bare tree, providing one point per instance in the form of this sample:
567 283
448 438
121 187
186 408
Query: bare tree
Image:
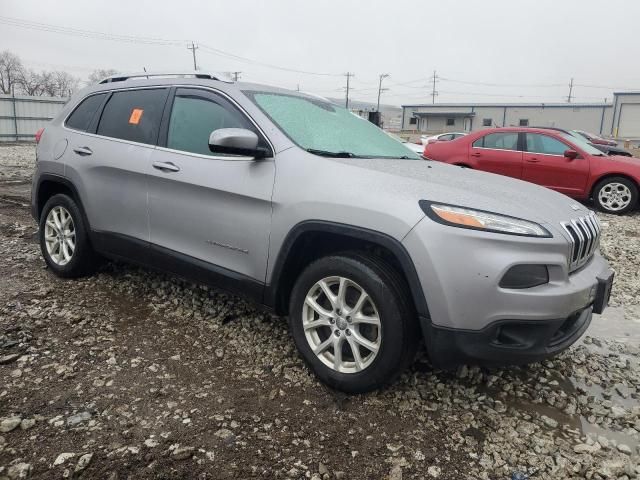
32 82
100 74
10 65
65 83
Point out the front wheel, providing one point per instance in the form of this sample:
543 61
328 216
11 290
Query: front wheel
615 195
352 322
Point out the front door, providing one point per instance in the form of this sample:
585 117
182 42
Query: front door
206 209
546 165
497 153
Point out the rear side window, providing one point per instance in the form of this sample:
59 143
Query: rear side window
83 114
544 144
194 116
498 141
133 115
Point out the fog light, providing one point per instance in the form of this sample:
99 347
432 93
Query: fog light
525 276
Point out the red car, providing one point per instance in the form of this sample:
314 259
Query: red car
549 158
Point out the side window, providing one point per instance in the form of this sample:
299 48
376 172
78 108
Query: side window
449 136
537 143
133 115
83 114
194 116
498 141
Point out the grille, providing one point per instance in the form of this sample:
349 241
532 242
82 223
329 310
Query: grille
585 238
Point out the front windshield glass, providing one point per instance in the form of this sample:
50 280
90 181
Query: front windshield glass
326 129
582 144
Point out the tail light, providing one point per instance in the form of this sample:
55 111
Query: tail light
39 135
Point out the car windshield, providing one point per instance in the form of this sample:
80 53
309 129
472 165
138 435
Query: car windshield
325 129
582 144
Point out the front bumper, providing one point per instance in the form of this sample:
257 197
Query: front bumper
474 320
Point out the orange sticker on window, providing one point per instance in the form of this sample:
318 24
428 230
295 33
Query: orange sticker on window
136 115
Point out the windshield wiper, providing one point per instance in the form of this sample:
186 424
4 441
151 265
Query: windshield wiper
327 153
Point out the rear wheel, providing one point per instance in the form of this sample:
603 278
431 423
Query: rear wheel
352 322
615 195
64 241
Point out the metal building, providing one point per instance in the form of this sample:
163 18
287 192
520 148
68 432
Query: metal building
457 117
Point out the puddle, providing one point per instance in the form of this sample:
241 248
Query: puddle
612 325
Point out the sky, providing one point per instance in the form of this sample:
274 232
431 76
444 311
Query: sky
482 51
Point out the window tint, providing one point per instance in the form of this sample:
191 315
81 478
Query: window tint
498 141
487 122
194 117
451 121
133 115
537 143
83 114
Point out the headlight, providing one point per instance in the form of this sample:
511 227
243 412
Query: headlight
481 220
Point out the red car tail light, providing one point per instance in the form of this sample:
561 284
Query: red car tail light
39 135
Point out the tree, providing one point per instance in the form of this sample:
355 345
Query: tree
65 83
10 66
31 82
100 74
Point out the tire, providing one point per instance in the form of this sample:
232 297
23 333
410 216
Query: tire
616 195
396 337
65 262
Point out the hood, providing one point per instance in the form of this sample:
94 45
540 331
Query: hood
440 182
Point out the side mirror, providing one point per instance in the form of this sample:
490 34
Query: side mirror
236 141
571 154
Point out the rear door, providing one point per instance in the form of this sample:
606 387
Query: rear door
498 152
546 165
109 162
209 207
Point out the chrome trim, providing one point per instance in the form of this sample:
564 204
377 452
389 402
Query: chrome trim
584 238
181 85
208 157
498 149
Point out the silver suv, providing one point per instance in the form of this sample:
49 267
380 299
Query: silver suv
317 214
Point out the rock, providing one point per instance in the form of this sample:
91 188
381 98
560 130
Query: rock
617 412
339 475
27 423
182 453
9 423
151 442
322 469
63 457
19 471
585 448
112 361
219 352
462 371
434 471
549 422
17 373
623 448
78 418
396 473
12 357
225 434
83 462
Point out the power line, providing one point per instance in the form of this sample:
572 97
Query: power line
346 101
570 91
433 90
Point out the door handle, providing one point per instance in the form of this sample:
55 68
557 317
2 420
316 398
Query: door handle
476 154
83 151
533 160
166 166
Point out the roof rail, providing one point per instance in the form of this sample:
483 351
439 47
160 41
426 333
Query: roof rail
121 77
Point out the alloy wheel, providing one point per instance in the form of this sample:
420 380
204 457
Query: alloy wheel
614 196
341 324
60 235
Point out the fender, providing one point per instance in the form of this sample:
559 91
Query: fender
50 177
394 246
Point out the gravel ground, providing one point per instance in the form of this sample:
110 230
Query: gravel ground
133 374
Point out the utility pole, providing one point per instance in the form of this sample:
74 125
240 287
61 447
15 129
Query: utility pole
236 76
193 49
570 91
346 102
380 89
434 94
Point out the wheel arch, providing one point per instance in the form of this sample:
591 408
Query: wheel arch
49 185
604 176
310 240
